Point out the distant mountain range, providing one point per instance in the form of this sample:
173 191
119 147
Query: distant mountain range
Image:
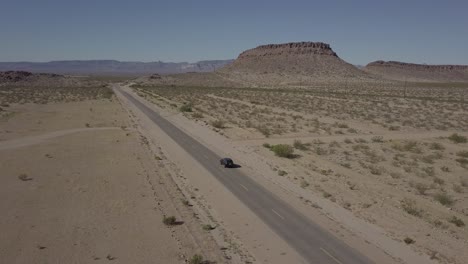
113 67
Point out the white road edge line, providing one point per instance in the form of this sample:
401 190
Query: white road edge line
244 187
277 214
331 256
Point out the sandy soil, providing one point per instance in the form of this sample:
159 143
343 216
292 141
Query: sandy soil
377 163
79 184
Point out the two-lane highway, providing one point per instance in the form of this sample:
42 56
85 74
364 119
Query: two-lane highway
315 244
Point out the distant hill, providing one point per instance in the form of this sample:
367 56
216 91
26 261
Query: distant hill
394 70
113 67
297 63
29 79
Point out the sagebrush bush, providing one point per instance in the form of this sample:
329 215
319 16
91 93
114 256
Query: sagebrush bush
218 124
444 199
283 150
186 108
456 138
301 146
197 115
457 221
196 259
169 220
410 207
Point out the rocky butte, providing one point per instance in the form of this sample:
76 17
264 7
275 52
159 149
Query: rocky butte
294 63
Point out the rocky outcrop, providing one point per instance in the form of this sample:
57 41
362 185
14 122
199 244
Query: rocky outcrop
395 70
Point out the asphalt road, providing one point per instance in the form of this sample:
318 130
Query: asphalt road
315 244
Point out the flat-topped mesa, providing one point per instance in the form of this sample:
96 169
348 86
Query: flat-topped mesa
381 63
292 48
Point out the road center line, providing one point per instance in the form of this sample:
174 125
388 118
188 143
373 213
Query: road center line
244 187
277 214
331 256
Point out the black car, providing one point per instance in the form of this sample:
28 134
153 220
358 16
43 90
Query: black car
227 162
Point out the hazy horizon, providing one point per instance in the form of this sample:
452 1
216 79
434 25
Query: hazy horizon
430 32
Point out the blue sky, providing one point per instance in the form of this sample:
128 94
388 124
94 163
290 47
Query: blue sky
433 32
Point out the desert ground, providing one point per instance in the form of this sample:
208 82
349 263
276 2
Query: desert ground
81 184
379 161
394 155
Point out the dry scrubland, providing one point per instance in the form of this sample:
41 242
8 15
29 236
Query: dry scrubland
394 154
79 184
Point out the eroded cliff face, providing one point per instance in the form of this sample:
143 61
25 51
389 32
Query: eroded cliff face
293 48
395 70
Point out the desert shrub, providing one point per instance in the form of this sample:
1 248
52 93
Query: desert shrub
457 221
186 108
420 187
360 147
197 115
462 161
436 146
341 125
301 146
464 182
410 207
304 184
463 154
377 139
439 181
458 188
410 146
456 138
169 220
348 141
334 144
266 145
360 140
445 169
282 173
264 130
196 259
429 171
283 150
376 170
207 227
320 151
408 240
218 124
444 199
